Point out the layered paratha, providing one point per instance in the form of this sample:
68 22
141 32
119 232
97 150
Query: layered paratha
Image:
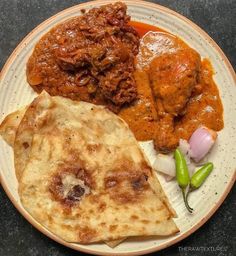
83 175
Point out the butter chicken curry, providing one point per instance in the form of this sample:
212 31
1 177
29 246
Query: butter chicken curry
151 78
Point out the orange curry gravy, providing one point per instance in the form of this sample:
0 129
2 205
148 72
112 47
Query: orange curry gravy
201 107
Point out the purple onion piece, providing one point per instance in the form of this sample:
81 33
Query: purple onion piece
201 142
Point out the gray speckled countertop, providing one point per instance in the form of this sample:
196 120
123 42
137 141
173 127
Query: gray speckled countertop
17 236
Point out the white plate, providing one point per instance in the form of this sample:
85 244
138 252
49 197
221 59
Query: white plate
15 92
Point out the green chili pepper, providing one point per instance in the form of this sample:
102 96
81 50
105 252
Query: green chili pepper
182 175
200 175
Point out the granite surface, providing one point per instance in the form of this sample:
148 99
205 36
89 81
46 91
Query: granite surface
218 235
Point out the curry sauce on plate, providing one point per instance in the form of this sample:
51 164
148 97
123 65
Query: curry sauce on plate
176 90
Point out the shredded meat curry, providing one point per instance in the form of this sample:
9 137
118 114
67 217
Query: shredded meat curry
90 58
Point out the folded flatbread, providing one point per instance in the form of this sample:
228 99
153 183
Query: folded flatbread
82 173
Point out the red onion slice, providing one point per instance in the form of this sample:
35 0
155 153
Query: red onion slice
201 142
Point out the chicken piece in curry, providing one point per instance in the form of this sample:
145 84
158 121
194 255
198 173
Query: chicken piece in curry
172 78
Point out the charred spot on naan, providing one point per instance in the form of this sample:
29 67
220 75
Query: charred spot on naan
93 148
127 184
69 185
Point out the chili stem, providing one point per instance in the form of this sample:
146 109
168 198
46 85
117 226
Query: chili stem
186 201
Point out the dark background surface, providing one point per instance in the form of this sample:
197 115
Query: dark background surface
17 19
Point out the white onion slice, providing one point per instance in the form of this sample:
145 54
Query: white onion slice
184 146
165 164
201 142
168 178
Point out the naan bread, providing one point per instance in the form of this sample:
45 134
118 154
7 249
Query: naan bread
8 130
10 125
84 176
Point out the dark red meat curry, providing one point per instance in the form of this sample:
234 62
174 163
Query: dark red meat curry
89 58
157 84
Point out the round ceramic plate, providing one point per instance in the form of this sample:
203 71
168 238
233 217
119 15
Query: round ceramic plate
15 92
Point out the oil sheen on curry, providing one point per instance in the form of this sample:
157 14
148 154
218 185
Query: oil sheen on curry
152 79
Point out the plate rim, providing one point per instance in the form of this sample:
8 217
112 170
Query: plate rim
156 248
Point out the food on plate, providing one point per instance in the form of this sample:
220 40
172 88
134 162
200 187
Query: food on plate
80 169
85 178
89 58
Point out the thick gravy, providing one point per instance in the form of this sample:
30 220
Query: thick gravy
147 116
